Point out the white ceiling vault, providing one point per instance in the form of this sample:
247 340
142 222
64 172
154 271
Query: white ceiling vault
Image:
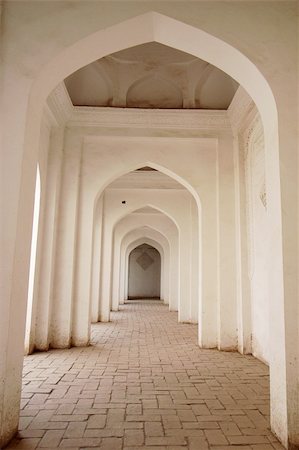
153 76
145 179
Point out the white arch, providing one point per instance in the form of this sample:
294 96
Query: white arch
156 27
154 165
113 175
139 234
131 248
154 207
127 242
165 227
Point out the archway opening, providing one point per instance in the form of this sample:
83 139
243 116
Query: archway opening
155 237
33 254
144 195
144 273
265 95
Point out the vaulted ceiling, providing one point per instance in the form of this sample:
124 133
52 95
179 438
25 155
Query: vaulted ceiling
151 75
145 178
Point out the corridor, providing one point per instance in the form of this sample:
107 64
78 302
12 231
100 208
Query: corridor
144 383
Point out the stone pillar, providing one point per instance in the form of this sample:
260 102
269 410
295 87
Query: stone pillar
46 271
96 262
162 269
61 318
282 208
185 277
122 279
33 268
81 315
227 311
165 276
207 315
105 287
18 173
243 284
195 263
174 279
126 272
116 273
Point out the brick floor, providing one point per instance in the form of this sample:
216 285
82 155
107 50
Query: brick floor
144 383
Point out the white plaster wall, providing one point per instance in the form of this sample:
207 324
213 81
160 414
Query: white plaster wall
162 230
31 283
196 267
174 203
64 277
99 163
258 232
256 29
86 166
43 168
164 253
96 262
144 282
48 245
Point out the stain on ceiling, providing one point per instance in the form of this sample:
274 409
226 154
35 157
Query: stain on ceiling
151 75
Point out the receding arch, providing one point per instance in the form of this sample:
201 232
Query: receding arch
153 165
144 272
148 205
152 27
124 266
111 220
154 207
156 27
137 235
130 167
131 247
144 240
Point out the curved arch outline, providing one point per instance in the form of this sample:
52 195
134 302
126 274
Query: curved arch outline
133 246
133 210
164 257
156 27
138 245
157 167
173 289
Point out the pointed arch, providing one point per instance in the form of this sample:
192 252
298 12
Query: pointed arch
147 205
168 31
152 164
156 27
127 231
154 238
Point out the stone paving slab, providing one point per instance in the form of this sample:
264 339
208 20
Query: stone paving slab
144 384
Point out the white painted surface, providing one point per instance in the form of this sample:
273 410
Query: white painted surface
257 217
151 75
144 274
163 232
29 313
156 240
237 38
48 243
177 206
